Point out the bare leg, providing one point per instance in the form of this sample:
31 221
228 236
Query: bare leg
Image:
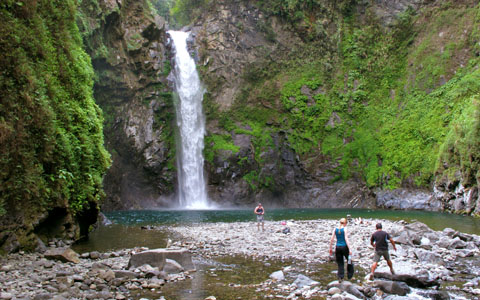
374 266
389 263
258 226
263 227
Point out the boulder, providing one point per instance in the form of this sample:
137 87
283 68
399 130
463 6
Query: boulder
418 227
157 257
278 275
6 295
392 287
404 238
428 256
351 288
413 280
62 254
303 280
457 243
172 267
334 290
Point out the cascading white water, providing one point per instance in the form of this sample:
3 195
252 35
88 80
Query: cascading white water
191 125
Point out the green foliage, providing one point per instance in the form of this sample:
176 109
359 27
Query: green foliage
134 42
308 109
441 45
262 140
50 127
185 11
163 7
461 150
384 114
214 143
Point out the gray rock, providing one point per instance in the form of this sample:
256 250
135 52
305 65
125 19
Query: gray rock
41 248
407 199
107 275
428 256
403 238
392 287
457 243
434 295
334 290
6 268
94 255
43 296
303 281
278 275
414 280
172 267
157 257
6 296
62 254
352 289
125 274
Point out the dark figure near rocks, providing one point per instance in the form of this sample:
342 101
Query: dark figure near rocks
379 242
260 211
342 249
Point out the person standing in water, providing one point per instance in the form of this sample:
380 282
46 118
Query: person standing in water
260 211
342 249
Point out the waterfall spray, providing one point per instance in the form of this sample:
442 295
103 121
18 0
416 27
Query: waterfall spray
191 125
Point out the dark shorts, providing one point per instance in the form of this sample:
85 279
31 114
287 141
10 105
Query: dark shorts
259 218
381 253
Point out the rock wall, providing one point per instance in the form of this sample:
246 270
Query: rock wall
231 39
127 44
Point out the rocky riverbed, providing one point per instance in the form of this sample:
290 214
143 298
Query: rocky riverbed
92 275
429 264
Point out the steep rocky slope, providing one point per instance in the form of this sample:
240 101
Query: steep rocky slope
126 41
311 104
336 104
237 42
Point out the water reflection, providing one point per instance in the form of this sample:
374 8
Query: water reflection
117 236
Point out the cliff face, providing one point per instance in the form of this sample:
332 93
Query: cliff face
342 106
238 44
126 41
311 104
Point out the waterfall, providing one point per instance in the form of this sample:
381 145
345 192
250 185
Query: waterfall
192 192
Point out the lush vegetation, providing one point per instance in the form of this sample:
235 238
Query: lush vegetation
52 150
398 105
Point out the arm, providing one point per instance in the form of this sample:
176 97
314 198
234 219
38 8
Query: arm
331 242
255 210
348 242
393 244
372 242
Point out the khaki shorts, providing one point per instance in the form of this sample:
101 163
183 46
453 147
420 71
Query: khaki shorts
379 254
259 218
